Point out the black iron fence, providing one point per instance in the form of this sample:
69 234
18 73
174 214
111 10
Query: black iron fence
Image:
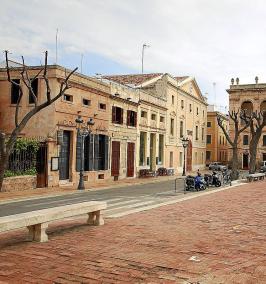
22 160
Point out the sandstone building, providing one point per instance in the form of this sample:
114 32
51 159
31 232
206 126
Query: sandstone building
186 116
249 97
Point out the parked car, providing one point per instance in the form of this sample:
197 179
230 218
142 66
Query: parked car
263 167
217 166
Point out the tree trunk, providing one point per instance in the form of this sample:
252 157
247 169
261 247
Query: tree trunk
3 165
235 173
253 153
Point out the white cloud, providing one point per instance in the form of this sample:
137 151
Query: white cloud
211 40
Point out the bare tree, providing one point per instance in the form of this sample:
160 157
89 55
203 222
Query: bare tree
7 143
256 126
236 117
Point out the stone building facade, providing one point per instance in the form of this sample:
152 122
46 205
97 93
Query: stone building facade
122 129
56 127
217 145
185 111
249 97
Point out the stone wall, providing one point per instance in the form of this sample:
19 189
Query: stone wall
19 183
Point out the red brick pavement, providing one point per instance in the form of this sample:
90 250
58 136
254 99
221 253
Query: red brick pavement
223 233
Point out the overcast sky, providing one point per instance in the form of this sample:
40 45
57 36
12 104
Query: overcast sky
209 39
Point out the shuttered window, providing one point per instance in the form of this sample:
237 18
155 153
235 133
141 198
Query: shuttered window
117 115
131 118
96 150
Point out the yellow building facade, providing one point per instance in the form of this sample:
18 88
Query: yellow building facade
216 142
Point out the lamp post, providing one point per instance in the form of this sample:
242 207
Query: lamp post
82 133
184 144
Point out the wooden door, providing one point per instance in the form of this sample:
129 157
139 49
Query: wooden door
115 158
189 156
41 166
130 159
64 156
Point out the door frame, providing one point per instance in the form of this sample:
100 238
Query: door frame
115 160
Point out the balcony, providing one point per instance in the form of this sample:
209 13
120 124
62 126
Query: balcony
153 124
143 121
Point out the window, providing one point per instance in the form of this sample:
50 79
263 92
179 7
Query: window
190 107
173 100
209 124
161 147
208 155
171 162
96 148
86 102
117 115
102 106
202 134
131 118
15 91
197 132
203 113
68 98
181 128
34 87
220 140
197 111
172 126
245 139
180 159
264 140
161 118
144 114
223 140
142 148
209 139
182 104
153 116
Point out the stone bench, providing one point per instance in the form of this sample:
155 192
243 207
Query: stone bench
37 221
253 177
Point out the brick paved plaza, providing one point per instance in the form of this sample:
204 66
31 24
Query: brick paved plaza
216 238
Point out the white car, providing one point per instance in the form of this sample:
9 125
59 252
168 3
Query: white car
217 166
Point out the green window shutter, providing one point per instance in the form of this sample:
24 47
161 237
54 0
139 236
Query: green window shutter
106 151
78 152
96 152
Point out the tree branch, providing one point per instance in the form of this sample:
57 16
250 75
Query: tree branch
220 121
48 90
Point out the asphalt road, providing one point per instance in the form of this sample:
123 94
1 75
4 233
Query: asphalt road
156 192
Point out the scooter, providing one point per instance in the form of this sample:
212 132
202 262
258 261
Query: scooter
195 183
212 180
200 183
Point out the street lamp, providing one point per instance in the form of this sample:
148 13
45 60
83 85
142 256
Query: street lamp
185 144
82 133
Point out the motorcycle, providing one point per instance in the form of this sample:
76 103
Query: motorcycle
212 180
195 183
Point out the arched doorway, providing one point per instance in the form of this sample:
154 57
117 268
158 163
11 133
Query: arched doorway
189 156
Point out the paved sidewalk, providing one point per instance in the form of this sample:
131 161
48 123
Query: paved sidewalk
216 238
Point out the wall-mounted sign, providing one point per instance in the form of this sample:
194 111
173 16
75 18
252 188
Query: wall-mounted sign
54 163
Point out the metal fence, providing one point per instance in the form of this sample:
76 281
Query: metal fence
23 160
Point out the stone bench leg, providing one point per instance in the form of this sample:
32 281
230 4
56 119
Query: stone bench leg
95 218
38 232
